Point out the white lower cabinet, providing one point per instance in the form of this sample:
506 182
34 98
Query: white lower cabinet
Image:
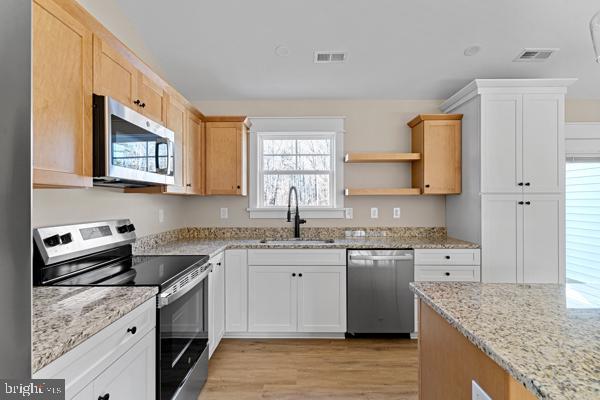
216 303
322 299
236 290
119 361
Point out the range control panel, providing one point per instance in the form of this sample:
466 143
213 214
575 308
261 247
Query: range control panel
59 243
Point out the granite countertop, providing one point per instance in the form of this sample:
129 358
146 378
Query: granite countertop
213 247
64 317
546 336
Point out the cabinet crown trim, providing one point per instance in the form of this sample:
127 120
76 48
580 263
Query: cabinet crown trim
433 117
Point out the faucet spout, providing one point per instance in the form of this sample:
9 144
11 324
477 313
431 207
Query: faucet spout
297 219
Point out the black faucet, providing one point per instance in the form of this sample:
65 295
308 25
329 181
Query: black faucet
297 219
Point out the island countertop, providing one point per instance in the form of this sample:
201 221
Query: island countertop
545 336
63 317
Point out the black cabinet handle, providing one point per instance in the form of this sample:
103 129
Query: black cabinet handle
447 257
105 397
520 183
447 273
527 184
294 274
133 330
527 203
300 275
521 203
426 186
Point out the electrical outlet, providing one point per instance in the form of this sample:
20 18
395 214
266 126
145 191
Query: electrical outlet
396 212
224 213
477 392
161 215
349 213
374 212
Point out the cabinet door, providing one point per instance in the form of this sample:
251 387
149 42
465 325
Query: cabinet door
114 76
132 376
225 158
194 161
543 143
442 157
501 238
543 239
62 98
153 97
272 298
177 121
236 291
211 312
322 299
501 143
219 304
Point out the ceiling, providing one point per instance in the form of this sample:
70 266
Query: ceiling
225 49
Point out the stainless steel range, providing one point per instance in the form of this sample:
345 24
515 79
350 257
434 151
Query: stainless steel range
100 254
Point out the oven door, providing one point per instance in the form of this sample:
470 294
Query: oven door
130 147
183 343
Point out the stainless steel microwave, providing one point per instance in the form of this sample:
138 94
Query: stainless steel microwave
130 150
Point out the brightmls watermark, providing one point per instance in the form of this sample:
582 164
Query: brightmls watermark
35 389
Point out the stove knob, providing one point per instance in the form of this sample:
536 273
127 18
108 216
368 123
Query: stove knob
52 241
130 228
122 229
66 238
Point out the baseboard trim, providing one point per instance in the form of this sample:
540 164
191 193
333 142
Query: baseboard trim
283 335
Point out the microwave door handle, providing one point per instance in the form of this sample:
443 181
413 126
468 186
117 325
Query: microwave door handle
170 159
159 142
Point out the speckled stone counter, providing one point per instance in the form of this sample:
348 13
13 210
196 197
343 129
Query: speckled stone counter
212 247
64 317
545 336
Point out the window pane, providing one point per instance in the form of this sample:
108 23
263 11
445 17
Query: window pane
271 146
279 163
317 146
313 190
314 163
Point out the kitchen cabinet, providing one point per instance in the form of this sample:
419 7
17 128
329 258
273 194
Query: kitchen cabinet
236 291
153 98
216 302
321 299
437 137
226 155
176 120
62 98
522 143
521 237
195 154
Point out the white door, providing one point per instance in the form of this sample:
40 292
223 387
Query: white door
272 298
543 143
132 376
543 239
501 238
322 299
219 320
501 143
211 312
236 290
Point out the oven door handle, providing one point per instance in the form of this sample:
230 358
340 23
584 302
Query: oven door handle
166 298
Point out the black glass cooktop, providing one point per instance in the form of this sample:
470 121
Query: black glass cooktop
159 271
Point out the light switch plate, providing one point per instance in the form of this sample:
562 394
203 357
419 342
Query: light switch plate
349 213
224 213
161 215
396 212
477 392
374 212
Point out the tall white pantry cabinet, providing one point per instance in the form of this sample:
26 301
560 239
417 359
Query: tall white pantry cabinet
512 200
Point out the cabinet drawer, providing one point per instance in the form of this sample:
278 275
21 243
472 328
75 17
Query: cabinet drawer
83 363
297 257
465 273
447 257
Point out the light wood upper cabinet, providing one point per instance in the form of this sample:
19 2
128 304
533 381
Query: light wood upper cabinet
153 98
176 120
195 154
226 155
62 98
114 75
438 138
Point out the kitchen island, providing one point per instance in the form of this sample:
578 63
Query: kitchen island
515 341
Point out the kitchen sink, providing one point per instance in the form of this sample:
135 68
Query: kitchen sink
297 240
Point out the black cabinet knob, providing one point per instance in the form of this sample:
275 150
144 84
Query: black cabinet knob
300 275
520 183
143 105
294 274
137 102
447 273
527 184
239 187
527 203
447 257
133 330
219 264
426 186
52 241
521 203
105 397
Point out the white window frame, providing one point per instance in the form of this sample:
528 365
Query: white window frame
298 128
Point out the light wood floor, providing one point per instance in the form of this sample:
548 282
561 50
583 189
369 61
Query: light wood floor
372 369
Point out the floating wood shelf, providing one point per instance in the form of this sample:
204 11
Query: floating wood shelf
381 157
383 192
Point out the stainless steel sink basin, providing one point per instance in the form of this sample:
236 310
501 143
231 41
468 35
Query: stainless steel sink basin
299 241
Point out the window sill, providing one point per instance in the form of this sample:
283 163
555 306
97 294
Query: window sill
281 213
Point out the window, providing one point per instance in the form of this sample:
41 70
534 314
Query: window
308 159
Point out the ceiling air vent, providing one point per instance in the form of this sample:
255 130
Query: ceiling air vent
327 57
534 55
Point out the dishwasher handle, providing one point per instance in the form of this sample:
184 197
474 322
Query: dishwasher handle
381 258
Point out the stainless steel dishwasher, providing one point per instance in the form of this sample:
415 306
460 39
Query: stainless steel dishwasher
379 299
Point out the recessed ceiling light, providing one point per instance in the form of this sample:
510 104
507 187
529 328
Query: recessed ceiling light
472 50
282 51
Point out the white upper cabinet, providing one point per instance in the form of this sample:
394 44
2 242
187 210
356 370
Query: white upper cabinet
501 143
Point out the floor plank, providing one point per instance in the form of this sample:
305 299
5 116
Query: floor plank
370 369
